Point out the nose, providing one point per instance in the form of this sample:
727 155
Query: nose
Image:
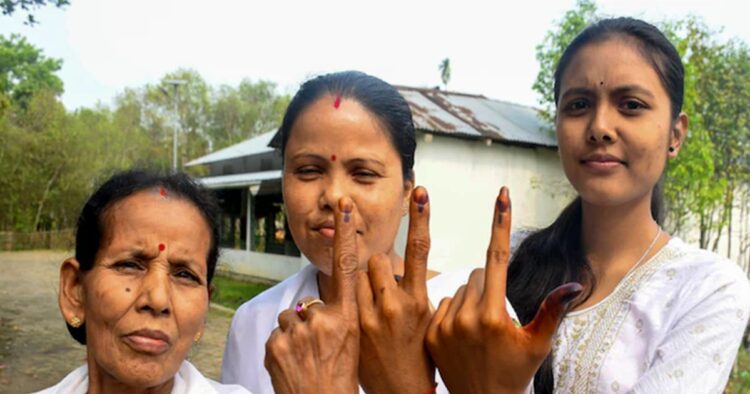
333 189
601 129
155 293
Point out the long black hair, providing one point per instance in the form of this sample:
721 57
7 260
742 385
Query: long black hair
376 95
92 224
554 255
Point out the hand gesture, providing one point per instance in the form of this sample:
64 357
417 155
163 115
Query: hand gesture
315 349
394 315
472 339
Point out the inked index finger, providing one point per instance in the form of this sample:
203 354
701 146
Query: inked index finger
498 254
417 244
345 259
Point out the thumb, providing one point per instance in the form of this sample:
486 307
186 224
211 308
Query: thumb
551 312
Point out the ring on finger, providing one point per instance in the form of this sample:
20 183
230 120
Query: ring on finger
303 305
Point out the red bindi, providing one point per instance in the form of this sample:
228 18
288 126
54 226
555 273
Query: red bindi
337 102
162 247
163 191
333 157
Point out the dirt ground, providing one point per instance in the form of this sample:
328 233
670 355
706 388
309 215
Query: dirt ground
36 350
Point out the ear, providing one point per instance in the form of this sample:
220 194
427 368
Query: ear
408 189
71 297
677 135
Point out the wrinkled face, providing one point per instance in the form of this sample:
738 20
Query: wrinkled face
146 297
614 125
337 148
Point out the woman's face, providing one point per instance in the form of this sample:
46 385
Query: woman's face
336 149
614 125
146 297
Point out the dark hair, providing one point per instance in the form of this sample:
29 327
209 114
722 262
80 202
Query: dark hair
92 221
554 255
379 97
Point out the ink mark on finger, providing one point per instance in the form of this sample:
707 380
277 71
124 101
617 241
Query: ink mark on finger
347 216
421 200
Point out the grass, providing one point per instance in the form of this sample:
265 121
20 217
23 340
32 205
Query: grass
232 293
739 380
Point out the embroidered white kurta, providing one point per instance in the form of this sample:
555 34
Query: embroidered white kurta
673 325
188 380
255 319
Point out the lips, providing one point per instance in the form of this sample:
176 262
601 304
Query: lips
602 162
153 342
327 229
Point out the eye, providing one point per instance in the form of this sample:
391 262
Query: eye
187 275
308 172
365 176
632 105
128 265
576 106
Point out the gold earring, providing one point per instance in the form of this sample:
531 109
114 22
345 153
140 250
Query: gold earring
75 322
198 336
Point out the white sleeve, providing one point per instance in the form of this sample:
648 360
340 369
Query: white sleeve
698 351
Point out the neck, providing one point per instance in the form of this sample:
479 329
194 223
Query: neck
101 382
615 238
325 282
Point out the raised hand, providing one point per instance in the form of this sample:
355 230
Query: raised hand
394 315
472 339
315 349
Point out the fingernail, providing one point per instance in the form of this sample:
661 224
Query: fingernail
345 205
421 199
570 292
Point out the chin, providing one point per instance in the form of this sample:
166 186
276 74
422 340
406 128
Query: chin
145 375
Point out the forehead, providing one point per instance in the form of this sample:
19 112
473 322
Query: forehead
350 127
615 61
147 214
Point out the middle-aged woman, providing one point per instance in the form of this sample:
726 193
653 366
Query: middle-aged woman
348 134
136 293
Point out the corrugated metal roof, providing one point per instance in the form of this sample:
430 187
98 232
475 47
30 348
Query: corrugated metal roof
249 147
239 180
475 116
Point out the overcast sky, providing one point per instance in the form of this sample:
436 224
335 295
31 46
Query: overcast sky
108 45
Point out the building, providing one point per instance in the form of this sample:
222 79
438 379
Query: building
468 146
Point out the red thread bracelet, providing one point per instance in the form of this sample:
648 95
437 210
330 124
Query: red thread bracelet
432 390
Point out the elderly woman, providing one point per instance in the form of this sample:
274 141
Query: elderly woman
136 293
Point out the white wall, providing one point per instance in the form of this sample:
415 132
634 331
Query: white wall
463 178
262 265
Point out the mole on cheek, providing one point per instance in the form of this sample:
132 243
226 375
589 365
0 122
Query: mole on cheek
127 289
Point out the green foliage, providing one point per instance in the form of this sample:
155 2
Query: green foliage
550 50
51 159
233 293
25 71
9 7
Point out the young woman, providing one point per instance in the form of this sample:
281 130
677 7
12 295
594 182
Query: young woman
136 293
348 135
657 314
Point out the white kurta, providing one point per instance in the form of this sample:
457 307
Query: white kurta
255 319
188 380
673 325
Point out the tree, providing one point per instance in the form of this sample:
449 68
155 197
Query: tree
9 7
549 51
25 71
445 72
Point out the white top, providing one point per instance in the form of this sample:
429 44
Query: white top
188 380
673 325
255 319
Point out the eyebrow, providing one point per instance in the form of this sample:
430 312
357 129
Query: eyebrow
354 161
617 91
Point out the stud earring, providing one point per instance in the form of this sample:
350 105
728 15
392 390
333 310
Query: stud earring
75 322
198 336
671 149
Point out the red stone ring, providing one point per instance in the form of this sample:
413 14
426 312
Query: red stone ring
303 305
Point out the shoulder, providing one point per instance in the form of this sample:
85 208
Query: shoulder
75 382
703 281
195 382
